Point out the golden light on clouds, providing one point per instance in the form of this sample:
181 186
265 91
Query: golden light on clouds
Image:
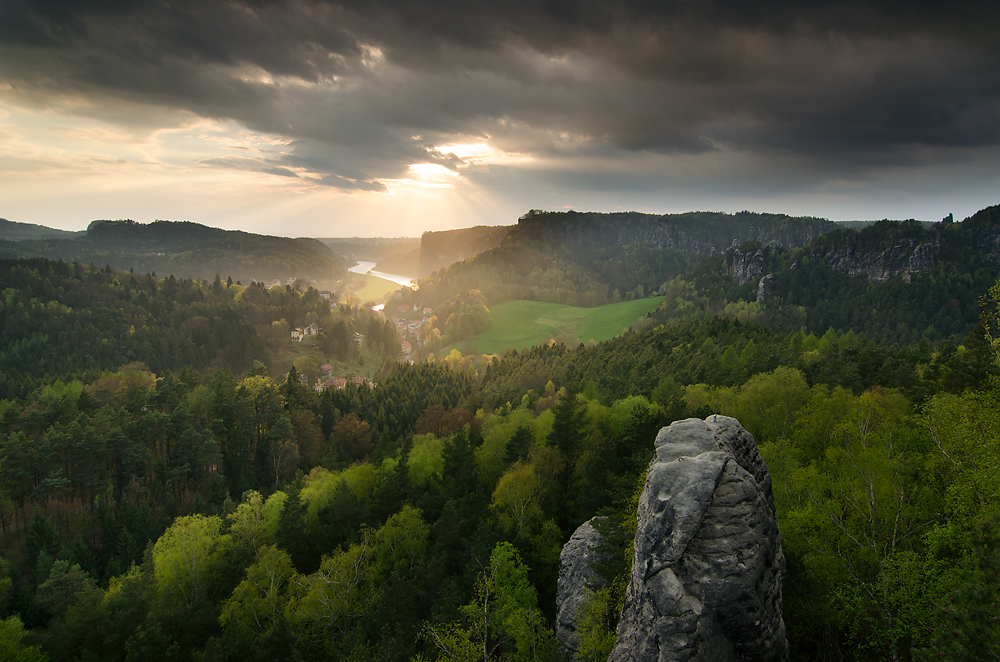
431 171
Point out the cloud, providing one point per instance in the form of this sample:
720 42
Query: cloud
365 88
247 164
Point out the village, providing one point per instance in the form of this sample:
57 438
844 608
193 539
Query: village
406 320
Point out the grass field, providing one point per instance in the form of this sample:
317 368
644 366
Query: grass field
522 324
375 289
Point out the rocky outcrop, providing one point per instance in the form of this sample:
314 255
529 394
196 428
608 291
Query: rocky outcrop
744 268
698 234
764 287
707 565
748 267
904 259
578 579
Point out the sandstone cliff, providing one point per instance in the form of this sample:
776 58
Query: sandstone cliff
904 258
578 580
698 234
707 565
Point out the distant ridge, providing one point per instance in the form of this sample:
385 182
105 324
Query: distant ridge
592 258
16 231
897 281
186 249
443 248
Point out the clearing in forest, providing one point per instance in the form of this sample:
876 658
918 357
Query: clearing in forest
522 324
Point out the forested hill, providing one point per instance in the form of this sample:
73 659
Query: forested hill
14 231
697 233
441 249
590 259
188 250
894 281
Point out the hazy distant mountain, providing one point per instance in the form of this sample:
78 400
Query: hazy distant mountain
188 250
441 249
15 231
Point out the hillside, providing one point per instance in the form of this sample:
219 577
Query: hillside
147 421
592 259
188 250
439 250
895 281
15 231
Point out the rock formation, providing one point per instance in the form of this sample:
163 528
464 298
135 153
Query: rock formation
695 233
577 581
905 258
764 287
743 267
707 566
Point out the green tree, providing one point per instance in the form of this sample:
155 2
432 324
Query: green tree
502 622
335 596
186 556
11 648
258 603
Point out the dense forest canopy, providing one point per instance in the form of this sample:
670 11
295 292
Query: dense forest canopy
195 499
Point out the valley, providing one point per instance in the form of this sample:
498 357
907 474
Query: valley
419 435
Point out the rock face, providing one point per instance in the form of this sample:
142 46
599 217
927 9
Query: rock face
707 568
577 581
744 267
696 233
764 287
905 258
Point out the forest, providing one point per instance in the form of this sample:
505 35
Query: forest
65 320
184 249
821 275
171 490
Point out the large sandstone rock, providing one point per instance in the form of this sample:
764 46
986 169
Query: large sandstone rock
578 580
707 569
903 259
743 267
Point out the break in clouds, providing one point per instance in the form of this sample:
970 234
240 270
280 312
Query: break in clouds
360 91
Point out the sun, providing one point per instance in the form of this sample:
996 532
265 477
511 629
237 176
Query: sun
432 172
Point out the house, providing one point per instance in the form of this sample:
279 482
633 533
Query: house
297 334
272 283
407 348
428 311
332 382
326 368
311 330
325 294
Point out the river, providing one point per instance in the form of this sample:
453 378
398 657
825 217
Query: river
366 268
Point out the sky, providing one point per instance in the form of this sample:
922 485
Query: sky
393 117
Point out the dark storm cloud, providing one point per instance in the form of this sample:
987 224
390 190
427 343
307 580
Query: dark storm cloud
368 87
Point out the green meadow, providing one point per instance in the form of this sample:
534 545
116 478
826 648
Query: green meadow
522 324
375 289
